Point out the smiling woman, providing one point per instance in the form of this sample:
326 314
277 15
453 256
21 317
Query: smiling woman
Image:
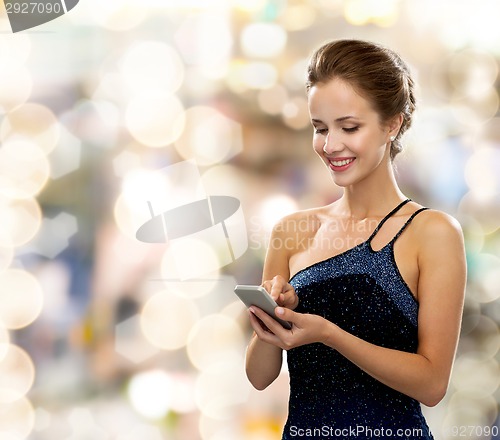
375 304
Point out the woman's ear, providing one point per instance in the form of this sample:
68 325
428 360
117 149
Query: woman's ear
395 124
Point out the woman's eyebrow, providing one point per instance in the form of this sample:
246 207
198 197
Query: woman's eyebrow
344 118
341 119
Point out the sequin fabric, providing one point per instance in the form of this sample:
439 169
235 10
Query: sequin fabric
362 291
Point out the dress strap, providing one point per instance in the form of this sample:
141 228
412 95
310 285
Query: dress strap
396 209
407 223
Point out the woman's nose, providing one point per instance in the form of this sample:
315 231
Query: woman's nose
331 144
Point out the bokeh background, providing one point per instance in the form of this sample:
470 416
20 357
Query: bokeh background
98 339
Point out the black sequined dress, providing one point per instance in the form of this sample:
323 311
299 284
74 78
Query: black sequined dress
363 292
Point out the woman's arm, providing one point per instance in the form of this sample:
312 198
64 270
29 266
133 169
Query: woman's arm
423 375
263 360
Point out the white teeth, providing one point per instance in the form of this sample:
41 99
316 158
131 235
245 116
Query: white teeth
340 163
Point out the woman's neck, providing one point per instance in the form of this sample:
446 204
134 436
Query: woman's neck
374 196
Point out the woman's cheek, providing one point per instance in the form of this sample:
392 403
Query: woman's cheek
318 144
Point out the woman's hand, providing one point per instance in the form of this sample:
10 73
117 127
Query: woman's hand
306 328
282 292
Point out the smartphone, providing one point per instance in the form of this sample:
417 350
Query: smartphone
258 296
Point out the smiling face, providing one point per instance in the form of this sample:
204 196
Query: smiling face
348 134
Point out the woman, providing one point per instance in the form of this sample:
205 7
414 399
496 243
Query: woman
373 283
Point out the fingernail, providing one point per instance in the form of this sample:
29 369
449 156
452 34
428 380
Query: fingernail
280 310
250 309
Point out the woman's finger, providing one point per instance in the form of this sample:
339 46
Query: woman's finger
274 326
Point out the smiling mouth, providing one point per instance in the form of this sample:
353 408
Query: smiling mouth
341 163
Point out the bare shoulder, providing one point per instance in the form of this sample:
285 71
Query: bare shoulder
299 222
432 224
288 235
438 234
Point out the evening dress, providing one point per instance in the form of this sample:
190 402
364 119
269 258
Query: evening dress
362 291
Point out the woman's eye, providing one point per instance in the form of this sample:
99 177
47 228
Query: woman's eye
350 129
320 130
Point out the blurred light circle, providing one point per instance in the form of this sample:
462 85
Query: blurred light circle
21 298
494 310
190 288
296 113
150 393
485 208
471 410
298 17
272 100
142 431
330 7
4 342
215 341
183 388
220 429
470 318
234 310
17 374
33 121
219 390
258 75
209 137
120 15
263 40
234 78
126 161
473 234
82 420
294 77
481 171
249 5
483 341
489 278
189 257
14 49
275 207
356 12
475 110
155 119
480 377
24 169
225 180
6 254
17 85
485 271
472 73
17 419
360 12
129 216
490 134
109 87
198 83
140 184
205 40
432 126
152 65
20 220
167 319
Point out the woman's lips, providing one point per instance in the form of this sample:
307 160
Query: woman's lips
340 163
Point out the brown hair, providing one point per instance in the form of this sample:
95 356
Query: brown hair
375 72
